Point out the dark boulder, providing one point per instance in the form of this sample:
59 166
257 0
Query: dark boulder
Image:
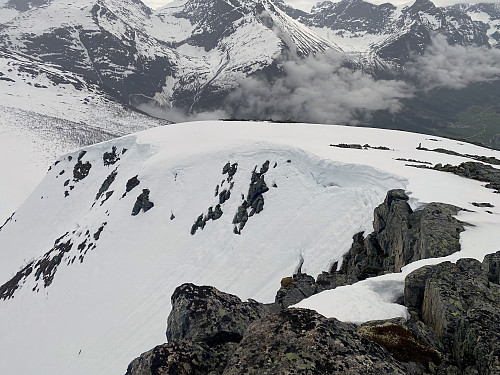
295 289
142 203
204 314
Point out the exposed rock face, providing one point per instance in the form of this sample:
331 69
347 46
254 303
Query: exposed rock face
461 304
181 357
400 236
295 289
402 344
204 314
254 200
142 203
475 171
491 265
299 341
454 328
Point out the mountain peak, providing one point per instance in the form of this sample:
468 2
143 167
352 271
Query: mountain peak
422 5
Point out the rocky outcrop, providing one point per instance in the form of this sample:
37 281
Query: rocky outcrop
400 236
182 357
142 203
295 289
300 341
473 170
204 314
461 304
254 200
211 332
454 328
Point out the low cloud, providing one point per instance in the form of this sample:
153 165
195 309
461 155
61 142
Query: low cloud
317 89
322 89
455 67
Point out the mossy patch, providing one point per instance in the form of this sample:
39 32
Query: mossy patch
401 343
287 282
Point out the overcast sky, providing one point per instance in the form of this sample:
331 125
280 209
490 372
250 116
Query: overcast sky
307 4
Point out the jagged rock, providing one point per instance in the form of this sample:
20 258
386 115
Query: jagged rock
300 341
295 289
201 221
110 158
254 200
181 357
230 170
462 306
81 170
106 184
224 195
142 203
400 237
204 314
491 265
131 183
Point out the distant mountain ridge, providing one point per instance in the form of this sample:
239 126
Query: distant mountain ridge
191 53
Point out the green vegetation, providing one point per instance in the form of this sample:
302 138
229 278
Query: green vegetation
471 114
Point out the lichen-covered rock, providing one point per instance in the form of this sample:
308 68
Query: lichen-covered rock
299 341
400 236
204 314
181 357
295 289
491 265
462 306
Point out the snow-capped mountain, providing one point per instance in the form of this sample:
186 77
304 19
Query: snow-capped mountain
486 16
115 227
393 33
191 53
183 54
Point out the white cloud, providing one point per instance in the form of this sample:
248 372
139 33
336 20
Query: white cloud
317 89
456 66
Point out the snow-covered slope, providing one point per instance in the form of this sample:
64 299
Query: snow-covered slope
46 111
114 228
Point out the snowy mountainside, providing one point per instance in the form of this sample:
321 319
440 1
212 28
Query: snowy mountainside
191 55
487 16
180 55
389 32
115 227
47 111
